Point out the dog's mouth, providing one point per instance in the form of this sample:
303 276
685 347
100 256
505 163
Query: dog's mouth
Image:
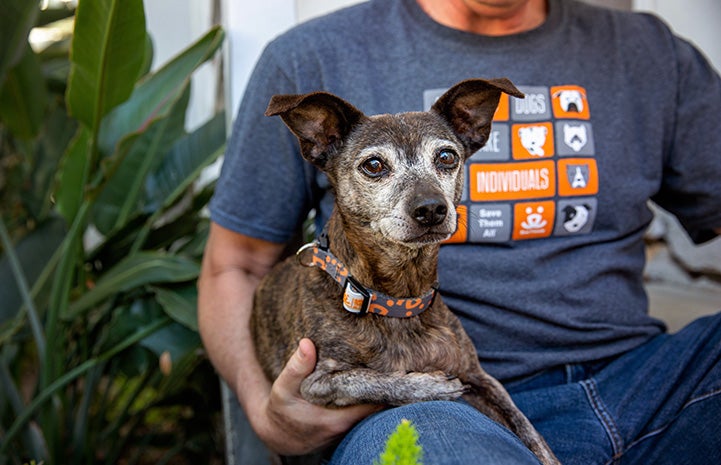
412 235
403 230
429 237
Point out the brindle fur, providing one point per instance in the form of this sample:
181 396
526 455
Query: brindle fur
372 358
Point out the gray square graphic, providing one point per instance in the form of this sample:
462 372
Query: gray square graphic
574 138
535 107
498 147
575 216
490 223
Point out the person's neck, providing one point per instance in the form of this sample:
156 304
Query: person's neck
487 17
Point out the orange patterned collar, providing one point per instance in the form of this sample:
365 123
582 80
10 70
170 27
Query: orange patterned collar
357 298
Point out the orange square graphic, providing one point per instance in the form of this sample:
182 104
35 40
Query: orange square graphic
532 141
533 220
503 112
577 176
570 102
461 234
512 181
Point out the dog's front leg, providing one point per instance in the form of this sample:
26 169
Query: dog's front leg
333 386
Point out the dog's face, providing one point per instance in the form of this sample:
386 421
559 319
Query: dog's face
575 136
571 100
400 176
533 139
396 177
575 217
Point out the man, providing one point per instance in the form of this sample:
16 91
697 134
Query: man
546 269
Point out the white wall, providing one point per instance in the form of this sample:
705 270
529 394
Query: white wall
173 26
249 25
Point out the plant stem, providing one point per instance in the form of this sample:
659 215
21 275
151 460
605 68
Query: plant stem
73 374
22 284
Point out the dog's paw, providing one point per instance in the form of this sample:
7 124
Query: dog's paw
431 386
367 386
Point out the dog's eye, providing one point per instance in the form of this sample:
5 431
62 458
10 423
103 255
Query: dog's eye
374 167
447 159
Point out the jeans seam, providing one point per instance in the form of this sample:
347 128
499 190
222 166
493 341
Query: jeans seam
603 415
660 429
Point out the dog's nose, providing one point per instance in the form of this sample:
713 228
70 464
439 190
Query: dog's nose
430 211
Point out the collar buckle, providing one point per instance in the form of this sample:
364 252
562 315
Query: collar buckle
356 298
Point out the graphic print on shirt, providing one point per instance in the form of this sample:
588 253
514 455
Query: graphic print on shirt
537 175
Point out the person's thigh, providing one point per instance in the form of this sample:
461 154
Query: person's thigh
567 420
659 403
449 432
665 398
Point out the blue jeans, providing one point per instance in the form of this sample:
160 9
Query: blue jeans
657 404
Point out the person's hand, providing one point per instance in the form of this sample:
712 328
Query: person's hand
292 426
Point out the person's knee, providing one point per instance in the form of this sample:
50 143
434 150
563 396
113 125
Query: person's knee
449 433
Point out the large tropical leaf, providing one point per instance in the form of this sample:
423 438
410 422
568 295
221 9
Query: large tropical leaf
180 304
157 92
33 252
16 19
175 339
135 271
54 137
72 176
136 157
107 57
184 163
23 97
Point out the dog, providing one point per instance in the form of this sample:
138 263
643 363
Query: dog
570 100
365 291
575 136
533 138
575 217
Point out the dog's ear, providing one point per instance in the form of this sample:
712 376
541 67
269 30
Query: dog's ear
469 107
320 120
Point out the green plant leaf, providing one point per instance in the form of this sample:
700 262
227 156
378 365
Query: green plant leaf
49 149
33 252
23 97
180 304
52 389
156 92
16 19
136 157
176 339
135 271
107 56
183 164
72 176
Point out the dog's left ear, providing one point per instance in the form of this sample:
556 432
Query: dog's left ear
320 120
469 107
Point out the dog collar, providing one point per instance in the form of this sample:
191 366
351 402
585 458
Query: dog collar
357 298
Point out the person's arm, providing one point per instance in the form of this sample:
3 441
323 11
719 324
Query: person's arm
233 265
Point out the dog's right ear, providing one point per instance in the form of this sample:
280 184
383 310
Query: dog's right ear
320 120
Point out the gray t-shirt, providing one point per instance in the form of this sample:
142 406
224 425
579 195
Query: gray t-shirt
546 267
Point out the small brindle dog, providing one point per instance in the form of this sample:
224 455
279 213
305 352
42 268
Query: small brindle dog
365 293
